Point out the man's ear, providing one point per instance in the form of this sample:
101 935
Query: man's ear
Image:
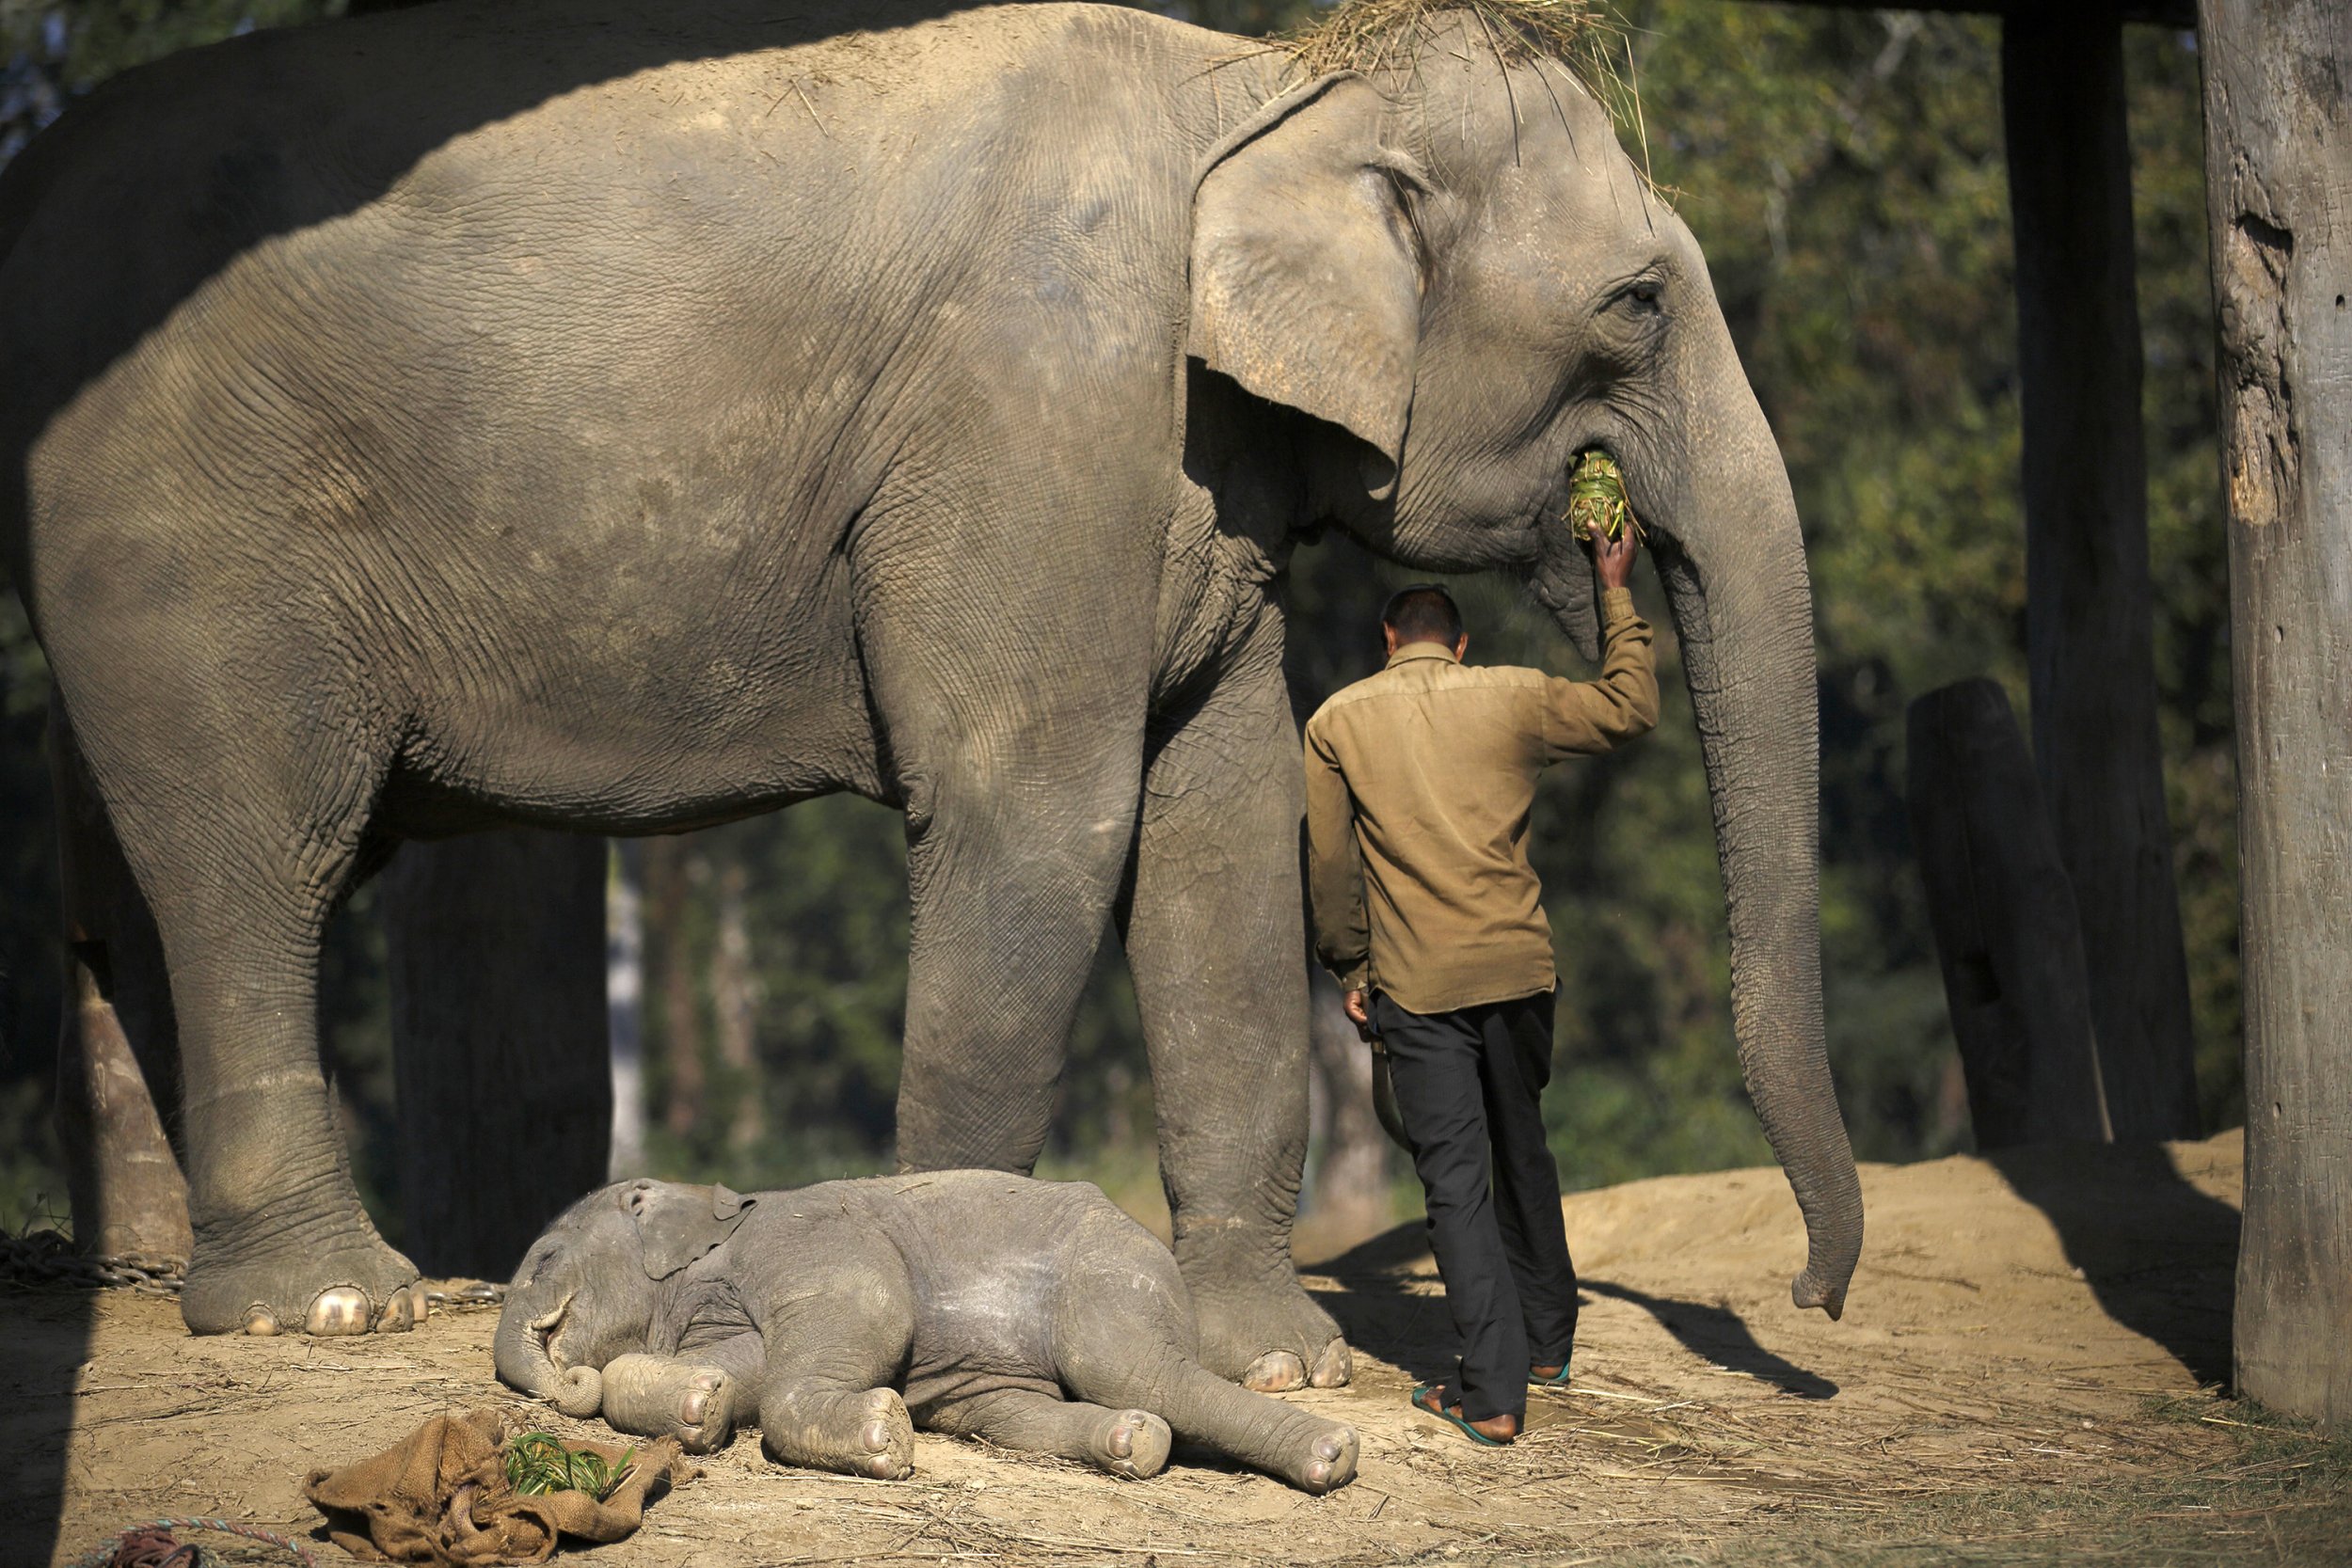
1307 274
677 1224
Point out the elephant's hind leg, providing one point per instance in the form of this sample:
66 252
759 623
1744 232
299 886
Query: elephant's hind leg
1129 1443
242 822
1312 1454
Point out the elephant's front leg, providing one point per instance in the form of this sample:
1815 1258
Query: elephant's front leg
694 1398
1019 828
1216 939
825 1399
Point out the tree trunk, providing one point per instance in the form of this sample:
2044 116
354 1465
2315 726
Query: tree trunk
2088 609
735 1009
2005 924
672 971
2278 201
494 945
625 1001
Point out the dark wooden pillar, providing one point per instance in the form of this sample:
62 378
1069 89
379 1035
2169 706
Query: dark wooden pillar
2278 201
2089 611
2005 921
495 947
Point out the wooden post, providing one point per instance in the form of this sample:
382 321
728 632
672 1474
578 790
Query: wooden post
495 944
2005 928
2278 202
2089 613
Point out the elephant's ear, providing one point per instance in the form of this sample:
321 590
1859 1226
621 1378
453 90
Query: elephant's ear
1306 274
677 1224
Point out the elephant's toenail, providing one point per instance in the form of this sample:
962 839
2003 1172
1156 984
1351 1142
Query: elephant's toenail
345 1309
260 1320
1334 1367
877 1435
1274 1373
1327 1448
883 1467
1318 1475
1123 1443
690 1408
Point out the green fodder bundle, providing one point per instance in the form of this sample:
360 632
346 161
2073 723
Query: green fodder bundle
1383 36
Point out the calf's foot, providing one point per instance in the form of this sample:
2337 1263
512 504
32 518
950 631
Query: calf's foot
867 1434
1329 1461
1130 1443
297 1282
654 1396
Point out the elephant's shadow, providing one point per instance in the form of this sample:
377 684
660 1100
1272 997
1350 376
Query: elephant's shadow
1384 1315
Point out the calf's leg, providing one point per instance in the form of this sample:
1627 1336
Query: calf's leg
1306 1450
1129 1443
691 1398
833 1351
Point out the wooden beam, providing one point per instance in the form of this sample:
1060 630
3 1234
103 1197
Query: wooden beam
2278 203
2088 604
2160 13
2006 929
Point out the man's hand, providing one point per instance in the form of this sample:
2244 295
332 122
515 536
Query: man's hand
1356 1004
1612 558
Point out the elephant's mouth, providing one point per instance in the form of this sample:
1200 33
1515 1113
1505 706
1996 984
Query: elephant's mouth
546 1327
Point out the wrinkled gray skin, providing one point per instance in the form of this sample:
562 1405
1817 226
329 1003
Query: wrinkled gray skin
1032 1314
626 418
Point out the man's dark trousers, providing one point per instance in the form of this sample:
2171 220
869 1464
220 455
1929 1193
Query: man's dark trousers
1467 1085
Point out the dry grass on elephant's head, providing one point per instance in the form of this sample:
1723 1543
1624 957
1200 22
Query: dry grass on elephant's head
1381 37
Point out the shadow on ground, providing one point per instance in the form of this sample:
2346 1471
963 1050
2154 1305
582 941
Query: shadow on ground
1382 1313
1719 1336
2160 1255
47 1331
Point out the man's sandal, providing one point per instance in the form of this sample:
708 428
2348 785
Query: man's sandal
1460 1424
1557 1380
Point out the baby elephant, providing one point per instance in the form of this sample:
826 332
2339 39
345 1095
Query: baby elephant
1033 1314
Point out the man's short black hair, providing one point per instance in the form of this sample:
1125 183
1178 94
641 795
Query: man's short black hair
1422 613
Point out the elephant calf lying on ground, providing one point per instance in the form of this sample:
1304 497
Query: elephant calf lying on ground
1033 1314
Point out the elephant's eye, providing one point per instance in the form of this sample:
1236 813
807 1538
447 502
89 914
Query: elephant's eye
1642 295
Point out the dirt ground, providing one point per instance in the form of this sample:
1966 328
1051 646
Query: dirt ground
2022 1374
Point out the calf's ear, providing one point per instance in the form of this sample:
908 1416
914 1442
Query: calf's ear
1306 271
677 1224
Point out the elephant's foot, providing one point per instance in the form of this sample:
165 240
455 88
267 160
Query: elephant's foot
1266 1332
857 1435
1130 1443
1327 1461
352 1285
653 1396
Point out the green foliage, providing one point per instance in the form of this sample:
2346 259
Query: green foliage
537 1463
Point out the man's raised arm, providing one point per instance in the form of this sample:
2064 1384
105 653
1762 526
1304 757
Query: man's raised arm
1582 717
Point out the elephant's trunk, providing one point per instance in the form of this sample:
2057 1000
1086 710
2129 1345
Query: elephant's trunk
1732 559
519 1351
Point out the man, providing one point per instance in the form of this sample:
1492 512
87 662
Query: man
1420 781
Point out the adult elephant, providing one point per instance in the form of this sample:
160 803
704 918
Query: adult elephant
576 412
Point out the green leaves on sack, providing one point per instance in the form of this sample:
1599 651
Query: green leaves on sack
537 1462
1597 503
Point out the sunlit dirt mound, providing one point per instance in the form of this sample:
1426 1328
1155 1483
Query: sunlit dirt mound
2037 1319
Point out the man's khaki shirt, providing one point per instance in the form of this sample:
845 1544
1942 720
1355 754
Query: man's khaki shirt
1420 781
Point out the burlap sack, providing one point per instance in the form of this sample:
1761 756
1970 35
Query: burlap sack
440 1495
